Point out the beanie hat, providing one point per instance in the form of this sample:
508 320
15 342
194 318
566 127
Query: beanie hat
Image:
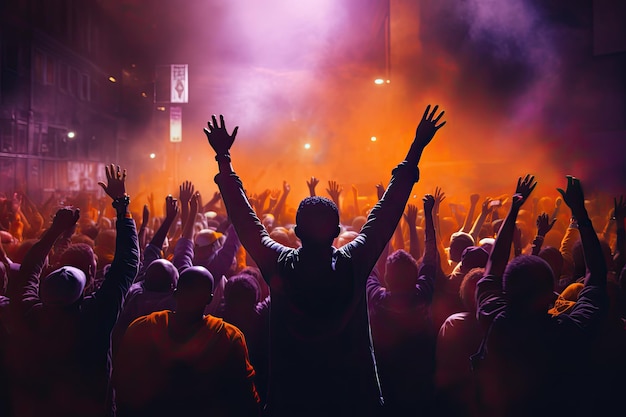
63 286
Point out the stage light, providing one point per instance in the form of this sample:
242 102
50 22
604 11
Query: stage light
144 94
112 79
161 108
71 134
307 146
379 81
373 138
152 155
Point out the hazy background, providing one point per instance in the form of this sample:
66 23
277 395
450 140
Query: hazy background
523 84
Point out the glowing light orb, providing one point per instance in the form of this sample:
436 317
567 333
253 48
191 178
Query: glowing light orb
71 135
307 146
373 138
112 79
152 155
379 81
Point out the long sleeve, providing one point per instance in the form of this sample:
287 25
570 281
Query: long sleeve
382 220
109 298
24 291
249 228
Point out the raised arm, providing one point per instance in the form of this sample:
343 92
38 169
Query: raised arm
280 205
311 184
24 292
489 294
469 218
186 190
410 217
334 191
385 215
254 237
110 296
544 225
594 259
499 256
485 211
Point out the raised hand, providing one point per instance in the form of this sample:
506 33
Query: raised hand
145 215
544 225
312 184
487 207
380 190
428 126
65 219
574 196
474 199
524 187
194 205
286 188
186 190
116 182
439 196
218 136
171 207
333 190
410 217
429 203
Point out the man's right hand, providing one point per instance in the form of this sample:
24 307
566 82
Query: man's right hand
218 137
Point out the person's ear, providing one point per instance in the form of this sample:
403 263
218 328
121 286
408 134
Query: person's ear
295 230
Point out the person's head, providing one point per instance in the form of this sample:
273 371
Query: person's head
357 223
473 257
317 221
81 256
62 287
554 258
161 276
206 243
401 272
458 242
487 243
528 283
467 290
194 291
281 235
346 237
254 272
241 291
268 221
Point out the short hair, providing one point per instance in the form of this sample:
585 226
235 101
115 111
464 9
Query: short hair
467 290
315 213
458 242
195 278
554 258
526 278
401 271
241 289
161 276
81 256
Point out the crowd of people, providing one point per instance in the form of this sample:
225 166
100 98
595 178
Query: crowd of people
506 306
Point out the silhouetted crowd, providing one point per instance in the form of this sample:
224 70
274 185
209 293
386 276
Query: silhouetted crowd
511 305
